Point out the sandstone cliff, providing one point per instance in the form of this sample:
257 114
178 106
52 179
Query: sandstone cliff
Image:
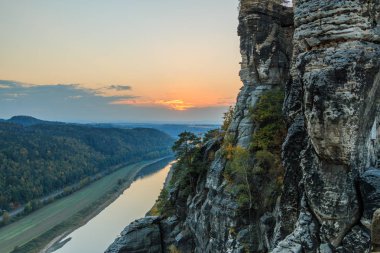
325 57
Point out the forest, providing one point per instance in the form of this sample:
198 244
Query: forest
39 159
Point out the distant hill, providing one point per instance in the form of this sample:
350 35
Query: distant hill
30 121
172 129
39 157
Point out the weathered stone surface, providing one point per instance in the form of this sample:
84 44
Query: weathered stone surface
331 22
370 192
375 233
141 236
289 206
341 86
303 238
358 240
336 90
331 196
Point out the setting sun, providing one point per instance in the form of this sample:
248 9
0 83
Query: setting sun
177 104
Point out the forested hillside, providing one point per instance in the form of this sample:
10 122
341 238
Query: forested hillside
39 159
172 129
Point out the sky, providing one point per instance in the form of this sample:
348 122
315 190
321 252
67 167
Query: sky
119 60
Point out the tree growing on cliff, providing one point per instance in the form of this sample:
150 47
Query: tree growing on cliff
186 146
248 169
241 168
211 134
267 115
228 117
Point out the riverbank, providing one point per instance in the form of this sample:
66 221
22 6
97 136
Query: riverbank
36 230
145 172
19 213
97 234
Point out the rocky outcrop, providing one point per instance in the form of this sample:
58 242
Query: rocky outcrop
327 59
376 231
336 92
370 193
141 236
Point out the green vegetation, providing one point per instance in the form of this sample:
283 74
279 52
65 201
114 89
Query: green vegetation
211 134
191 164
173 249
38 160
240 165
186 146
271 124
67 213
163 205
228 117
6 218
228 138
255 174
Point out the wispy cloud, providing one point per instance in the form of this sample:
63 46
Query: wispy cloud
75 97
14 95
113 90
3 86
53 93
120 87
69 102
132 101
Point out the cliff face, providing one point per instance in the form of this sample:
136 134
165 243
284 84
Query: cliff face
335 96
327 60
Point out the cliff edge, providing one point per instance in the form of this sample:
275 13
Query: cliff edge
297 168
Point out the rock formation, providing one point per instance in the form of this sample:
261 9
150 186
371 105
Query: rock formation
335 92
325 55
140 236
376 231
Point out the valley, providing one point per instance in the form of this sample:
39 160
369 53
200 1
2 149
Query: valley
67 213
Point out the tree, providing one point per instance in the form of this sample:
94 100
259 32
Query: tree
28 207
268 116
41 159
185 146
228 117
188 152
211 134
241 166
6 218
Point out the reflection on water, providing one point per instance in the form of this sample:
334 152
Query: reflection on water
102 230
153 168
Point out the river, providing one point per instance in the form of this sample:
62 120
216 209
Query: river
96 235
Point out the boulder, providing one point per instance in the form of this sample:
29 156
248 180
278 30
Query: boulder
141 236
376 231
370 191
